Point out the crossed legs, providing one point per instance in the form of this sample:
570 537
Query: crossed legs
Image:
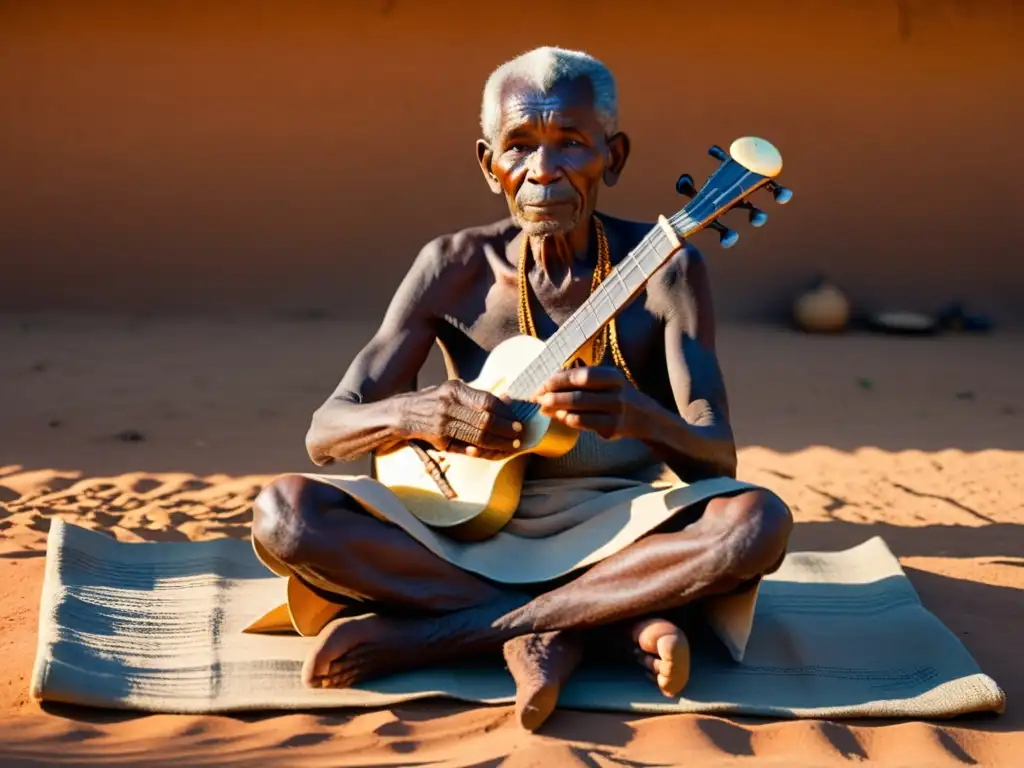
427 610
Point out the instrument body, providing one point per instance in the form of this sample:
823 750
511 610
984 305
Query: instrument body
476 497
488 490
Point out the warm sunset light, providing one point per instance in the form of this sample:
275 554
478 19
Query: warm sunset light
430 382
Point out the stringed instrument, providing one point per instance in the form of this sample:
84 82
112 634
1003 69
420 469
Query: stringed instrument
471 498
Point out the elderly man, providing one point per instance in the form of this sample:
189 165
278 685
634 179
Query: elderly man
652 395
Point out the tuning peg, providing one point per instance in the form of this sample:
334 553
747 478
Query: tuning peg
718 153
781 194
685 185
756 215
727 237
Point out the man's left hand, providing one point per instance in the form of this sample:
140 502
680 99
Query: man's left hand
597 399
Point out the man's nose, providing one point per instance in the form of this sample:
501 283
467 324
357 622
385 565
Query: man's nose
545 167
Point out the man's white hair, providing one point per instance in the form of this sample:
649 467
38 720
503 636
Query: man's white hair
543 68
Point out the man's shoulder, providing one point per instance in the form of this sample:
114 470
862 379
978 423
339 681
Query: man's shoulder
467 247
449 265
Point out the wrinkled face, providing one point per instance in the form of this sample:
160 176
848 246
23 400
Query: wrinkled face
550 156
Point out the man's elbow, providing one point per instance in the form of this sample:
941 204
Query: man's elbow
316 444
314 448
727 458
729 462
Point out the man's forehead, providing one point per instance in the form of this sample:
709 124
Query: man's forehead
566 101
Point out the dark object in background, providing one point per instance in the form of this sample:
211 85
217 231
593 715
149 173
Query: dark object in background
951 318
902 323
130 436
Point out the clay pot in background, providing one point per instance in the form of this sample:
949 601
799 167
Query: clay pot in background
822 309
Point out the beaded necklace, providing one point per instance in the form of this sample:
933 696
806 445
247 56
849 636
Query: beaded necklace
601 271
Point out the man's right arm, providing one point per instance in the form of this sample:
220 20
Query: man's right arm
365 411
370 409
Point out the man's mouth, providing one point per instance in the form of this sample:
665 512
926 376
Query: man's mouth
545 198
549 204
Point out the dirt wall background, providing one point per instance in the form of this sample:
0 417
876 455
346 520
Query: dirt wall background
292 156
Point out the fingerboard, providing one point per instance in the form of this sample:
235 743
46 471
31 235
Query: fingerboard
729 184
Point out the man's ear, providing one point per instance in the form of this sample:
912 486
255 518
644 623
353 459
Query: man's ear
484 155
618 153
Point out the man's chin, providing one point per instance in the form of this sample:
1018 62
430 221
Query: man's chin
545 227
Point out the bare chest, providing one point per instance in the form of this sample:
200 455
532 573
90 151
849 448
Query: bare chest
495 313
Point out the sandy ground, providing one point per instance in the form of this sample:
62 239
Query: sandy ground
164 430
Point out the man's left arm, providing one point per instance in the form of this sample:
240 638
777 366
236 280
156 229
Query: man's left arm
694 438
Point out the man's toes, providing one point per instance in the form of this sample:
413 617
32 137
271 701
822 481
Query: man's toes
667 686
675 664
654 664
340 673
331 644
331 681
665 652
674 683
674 648
647 633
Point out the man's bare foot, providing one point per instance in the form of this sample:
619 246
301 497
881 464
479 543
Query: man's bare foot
665 652
540 663
349 650
352 649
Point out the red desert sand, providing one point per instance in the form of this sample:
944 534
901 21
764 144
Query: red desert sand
160 430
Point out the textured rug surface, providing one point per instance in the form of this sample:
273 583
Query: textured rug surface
157 627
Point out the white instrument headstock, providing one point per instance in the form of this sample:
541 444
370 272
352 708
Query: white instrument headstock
749 164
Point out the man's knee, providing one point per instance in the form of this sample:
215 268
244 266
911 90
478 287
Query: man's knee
278 518
764 523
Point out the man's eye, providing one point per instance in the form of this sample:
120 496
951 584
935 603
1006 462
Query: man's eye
571 143
517 147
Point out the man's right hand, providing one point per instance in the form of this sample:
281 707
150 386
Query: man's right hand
457 418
